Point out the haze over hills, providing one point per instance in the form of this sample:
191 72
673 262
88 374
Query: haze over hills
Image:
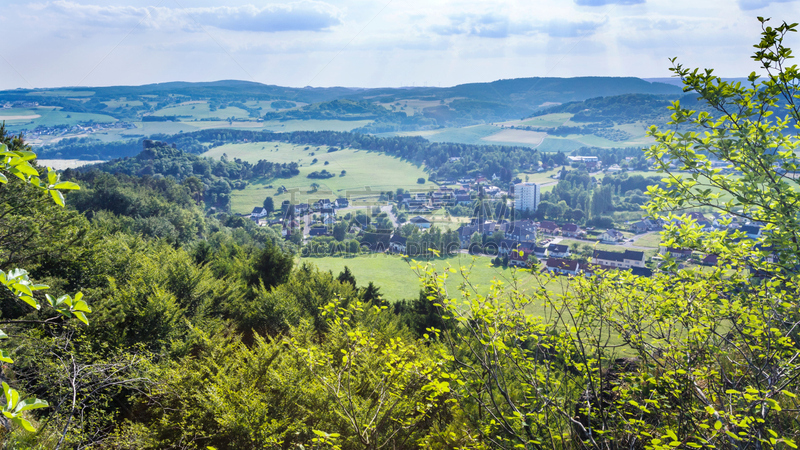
527 93
121 113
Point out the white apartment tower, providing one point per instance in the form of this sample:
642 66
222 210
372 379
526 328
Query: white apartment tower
526 196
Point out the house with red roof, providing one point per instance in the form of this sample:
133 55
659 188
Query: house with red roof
563 266
571 230
549 227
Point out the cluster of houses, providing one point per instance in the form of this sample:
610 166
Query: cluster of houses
446 196
601 260
325 207
19 104
557 260
707 222
86 128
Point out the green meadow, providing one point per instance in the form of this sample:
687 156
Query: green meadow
539 177
466 135
367 173
201 110
398 279
547 120
314 125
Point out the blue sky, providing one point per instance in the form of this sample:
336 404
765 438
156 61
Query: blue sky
373 43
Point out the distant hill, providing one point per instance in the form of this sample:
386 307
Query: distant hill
518 96
677 81
383 109
627 108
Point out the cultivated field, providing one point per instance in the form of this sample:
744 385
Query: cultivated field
508 136
61 164
114 104
467 135
29 118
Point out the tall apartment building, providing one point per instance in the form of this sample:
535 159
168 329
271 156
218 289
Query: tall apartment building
526 196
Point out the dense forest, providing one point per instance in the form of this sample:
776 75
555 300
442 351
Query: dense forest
211 181
619 109
579 197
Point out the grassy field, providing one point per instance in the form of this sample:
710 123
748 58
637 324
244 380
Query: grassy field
553 145
539 177
466 135
314 125
445 223
60 93
397 279
508 136
19 118
648 240
114 104
547 120
200 110
411 107
360 179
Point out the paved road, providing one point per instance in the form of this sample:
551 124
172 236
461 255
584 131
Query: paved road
307 226
388 210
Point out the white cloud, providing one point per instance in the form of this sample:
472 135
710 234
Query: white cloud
747 5
496 26
297 16
369 43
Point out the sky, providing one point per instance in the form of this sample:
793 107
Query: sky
376 43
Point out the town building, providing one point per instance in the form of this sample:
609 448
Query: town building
562 266
397 244
571 230
527 196
675 253
611 236
420 222
625 260
558 250
549 227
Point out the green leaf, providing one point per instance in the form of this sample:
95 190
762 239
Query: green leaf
66 185
3 179
4 357
58 197
81 316
24 424
31 301
25 169
80 305
33 403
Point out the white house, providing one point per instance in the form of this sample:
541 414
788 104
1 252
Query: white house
420 222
